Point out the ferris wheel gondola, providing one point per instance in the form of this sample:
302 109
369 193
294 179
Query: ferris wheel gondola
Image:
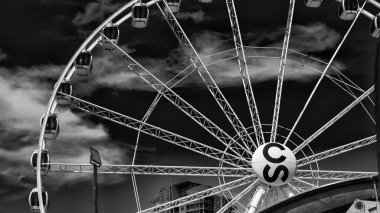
348 9
140 15
83 63
52 127
375 27
34 201
173 5
45 158
313 3
65 88
112 33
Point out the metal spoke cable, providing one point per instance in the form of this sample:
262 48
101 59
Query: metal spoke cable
324 72
183 105
336 151
156 132
332 175
242 61
205 75
280 78
237 198
333 120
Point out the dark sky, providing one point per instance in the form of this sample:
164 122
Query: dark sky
39 37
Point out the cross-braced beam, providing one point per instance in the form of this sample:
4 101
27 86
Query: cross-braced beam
280 78
333 120
239 47
205 75
336 151
332 175
181 104
237 197
199 195
157 132
152 170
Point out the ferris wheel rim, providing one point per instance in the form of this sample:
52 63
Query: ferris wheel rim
62 78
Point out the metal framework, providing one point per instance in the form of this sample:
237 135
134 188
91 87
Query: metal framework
239 47
280 79
205 75
157 132
238 150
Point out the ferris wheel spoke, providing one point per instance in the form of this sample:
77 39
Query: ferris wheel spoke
333 120
199 195
304 183
239 47
336 151
152 170
296 189
280 79
157 132
323 74
206 76
181 104
332 175
237 197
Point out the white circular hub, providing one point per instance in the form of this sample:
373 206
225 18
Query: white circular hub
274 164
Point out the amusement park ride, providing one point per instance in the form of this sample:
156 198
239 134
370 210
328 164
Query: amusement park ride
260 158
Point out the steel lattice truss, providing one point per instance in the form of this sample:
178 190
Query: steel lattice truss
280 80
205 75
337 151
156 132
332 175
239 47
184 106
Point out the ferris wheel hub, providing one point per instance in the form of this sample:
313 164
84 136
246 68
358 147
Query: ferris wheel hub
274 164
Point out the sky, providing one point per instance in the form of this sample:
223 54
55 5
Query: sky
39 37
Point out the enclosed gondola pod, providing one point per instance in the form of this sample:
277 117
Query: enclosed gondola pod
34 201
52 127
313 3
375 27
140 15
45 158
112 33
173 5
348 9
64 88
83 63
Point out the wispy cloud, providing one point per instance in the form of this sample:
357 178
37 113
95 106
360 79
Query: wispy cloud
3 55
197 16
95 11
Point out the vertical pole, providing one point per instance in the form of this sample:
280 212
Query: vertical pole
256 198
95 188
377 111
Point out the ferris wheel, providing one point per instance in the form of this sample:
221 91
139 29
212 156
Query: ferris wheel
259 163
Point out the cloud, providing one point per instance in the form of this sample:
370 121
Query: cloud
197 16
315 37
3 56
95 11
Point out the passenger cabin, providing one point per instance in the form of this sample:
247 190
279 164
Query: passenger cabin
52 127
65 88
205 1
112 33
45 158
34 201
375 27
313 3
348 9
83 63
173 5
140 15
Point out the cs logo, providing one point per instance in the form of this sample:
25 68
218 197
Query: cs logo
274 164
